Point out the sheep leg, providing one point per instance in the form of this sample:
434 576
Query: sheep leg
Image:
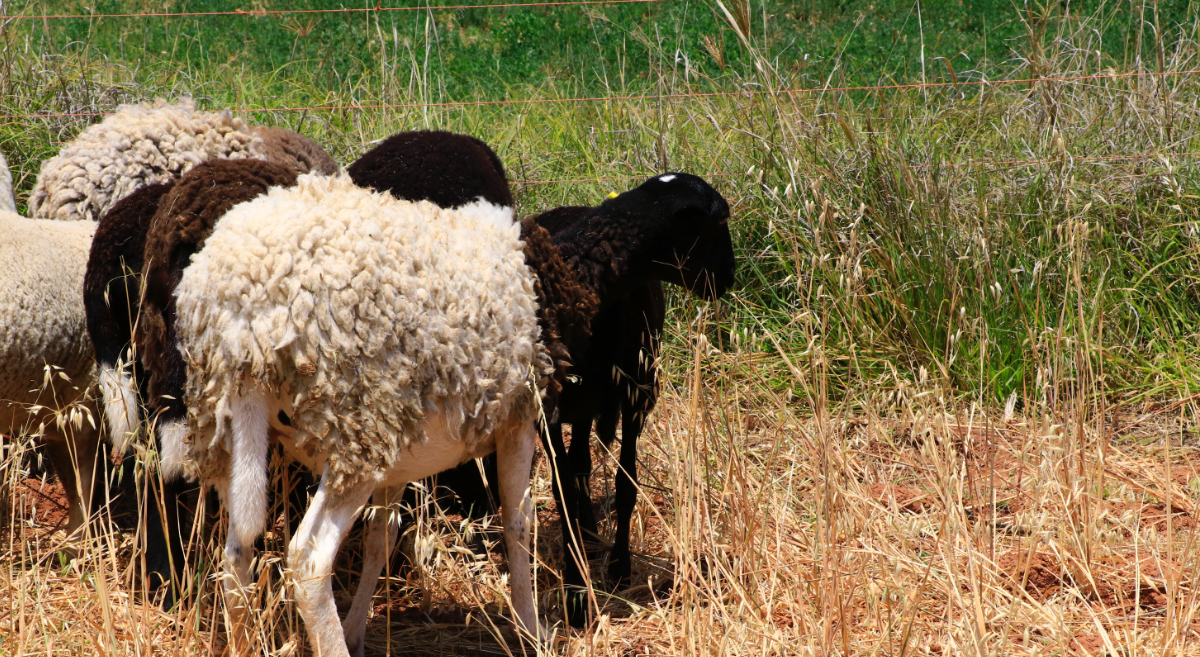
73 454
310 558
619 561
244 495
164 540
381 536
581 463
575 557
514 456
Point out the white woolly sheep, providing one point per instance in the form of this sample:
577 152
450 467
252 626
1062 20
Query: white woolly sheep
388 341
42 266
143 144
396 339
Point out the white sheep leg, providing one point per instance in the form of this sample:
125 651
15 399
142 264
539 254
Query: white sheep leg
310 559
381 536
244 495
514 456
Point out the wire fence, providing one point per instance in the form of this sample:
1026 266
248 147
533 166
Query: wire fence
744 93
657 97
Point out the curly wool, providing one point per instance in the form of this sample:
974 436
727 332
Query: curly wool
565 308
295 151
185 218
137 146
433 165
42 265
363 310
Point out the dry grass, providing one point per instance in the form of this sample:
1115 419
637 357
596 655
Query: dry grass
930 529
951 410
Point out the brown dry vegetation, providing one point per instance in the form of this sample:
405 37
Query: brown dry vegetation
951 410
933 530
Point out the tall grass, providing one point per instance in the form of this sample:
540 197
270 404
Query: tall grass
950 408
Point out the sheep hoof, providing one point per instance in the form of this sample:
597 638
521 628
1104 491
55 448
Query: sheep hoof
619 571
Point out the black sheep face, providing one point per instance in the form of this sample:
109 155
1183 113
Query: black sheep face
697 250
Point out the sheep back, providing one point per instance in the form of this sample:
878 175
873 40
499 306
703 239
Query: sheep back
362 310
42 264
445 168
185 218
296 151
114 271
138 145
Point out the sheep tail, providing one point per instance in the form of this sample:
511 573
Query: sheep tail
120 404
172 450
7 200
248 473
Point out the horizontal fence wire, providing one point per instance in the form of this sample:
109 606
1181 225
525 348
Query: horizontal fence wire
251 13
982 163
658 97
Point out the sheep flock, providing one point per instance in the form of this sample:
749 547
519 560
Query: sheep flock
207 290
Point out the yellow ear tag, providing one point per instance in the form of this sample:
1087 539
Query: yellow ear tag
612 195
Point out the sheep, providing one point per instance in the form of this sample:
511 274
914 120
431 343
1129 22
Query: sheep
154 232
387 340
412 166
41 263
144 144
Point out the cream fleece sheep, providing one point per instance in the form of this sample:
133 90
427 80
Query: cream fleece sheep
137 146
387 341
8 203
42 265
364 309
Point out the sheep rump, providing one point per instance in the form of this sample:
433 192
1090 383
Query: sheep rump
43 265
359 311
183 221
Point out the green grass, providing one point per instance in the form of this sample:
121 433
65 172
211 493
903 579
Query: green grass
871 248
484 53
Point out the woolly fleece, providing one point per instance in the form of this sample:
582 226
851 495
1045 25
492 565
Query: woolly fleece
433 165
295 151
139 145
42 264
565 308
185 218
8 203
363 310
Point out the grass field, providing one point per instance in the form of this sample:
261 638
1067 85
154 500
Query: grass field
951 407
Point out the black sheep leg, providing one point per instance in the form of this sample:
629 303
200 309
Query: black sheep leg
619 561
164 539
581 463
565 495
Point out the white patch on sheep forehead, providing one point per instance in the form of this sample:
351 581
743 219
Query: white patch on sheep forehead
667 178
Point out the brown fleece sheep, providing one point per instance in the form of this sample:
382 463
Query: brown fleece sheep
184 220
285 147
